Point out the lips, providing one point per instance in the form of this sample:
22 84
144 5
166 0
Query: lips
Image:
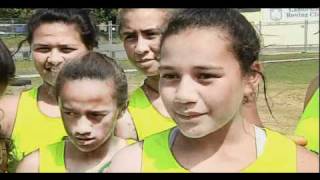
189 115
84 141
144 60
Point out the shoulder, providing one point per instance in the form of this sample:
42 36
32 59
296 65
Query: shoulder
8 106
127 159
306 160
30 163
125 127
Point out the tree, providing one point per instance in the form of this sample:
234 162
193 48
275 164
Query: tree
17 13
103 15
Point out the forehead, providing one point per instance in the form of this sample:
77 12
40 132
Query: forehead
204 45
144 18
57 31
87 90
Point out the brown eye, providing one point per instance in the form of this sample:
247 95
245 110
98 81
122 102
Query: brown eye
169 76
69 113
42 49
67 50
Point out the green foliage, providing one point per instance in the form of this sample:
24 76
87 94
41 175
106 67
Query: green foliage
103 15
21 13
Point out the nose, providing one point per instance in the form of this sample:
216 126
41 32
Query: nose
142 46
186 92
55 58
83 127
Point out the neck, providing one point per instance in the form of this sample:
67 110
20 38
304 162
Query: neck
152 84
47 94
95 155
231 133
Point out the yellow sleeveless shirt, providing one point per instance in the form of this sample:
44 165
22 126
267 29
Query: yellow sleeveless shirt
146 118
52 158
32 128
308 125
279 155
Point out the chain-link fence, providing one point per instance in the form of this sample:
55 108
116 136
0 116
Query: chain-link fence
300 36
276 37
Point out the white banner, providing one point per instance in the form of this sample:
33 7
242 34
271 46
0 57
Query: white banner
290 14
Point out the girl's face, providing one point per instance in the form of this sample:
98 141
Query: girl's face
141 33
53 44
89 116
200 81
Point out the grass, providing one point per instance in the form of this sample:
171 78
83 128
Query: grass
291 72
13 40
289 56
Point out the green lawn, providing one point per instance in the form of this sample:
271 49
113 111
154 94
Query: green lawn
13 41
300 72
289 56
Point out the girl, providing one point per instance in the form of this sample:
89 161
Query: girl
141 30
209 66
92 95
7 71
55 36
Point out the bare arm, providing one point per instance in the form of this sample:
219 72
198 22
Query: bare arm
125 127
30 163
8 106
129 159
313 86
307 161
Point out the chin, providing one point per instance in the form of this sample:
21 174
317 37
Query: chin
50 80
198 132
194 133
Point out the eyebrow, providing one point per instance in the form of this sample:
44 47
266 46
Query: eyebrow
46 45
128 32
90 111
216 68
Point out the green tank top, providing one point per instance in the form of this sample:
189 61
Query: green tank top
146 118
52 158
32 128
279 155
308 125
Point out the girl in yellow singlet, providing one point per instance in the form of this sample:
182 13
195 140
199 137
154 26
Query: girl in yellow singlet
208 68
92 94
55 36
141 30
7 71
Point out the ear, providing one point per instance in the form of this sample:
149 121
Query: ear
252 80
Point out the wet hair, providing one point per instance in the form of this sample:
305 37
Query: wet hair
7 67
96 66
122 11
85 23
244 40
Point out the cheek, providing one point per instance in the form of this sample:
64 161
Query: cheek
155 46
167 96
68 125
39 58
129 48
105 128
75 54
